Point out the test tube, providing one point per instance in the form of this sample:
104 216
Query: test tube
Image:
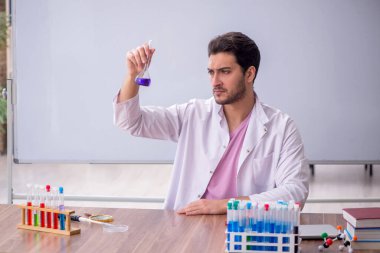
29 198
272 224
249 216
296 223
229 215
55 206
296 218
278 225
42 205
266 224
229 221
254 215
290 217
235 216
242 217
48 205
36 204
61 208
260 222
297 209
285 221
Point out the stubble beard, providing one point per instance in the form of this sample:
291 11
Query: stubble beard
237 95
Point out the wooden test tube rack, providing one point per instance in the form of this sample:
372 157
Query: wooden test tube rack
68 229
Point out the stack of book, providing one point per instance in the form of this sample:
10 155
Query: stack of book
364 224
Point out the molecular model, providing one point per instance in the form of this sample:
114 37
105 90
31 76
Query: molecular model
340 237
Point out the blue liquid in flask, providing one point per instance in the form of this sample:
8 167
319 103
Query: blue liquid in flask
143 81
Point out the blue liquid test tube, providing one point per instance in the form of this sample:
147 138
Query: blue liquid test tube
235 216
249 215
242 216
260 224
278 226
266 224
229 216
254 215
229 221
61 208
284 217
272 224
235 222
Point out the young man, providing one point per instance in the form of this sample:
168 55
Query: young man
229 146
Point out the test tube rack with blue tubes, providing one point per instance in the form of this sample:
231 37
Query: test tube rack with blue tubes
262 227
44 211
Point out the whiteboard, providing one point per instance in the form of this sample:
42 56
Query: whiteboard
320 64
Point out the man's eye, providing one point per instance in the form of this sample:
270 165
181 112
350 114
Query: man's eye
225 71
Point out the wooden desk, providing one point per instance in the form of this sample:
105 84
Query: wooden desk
149 231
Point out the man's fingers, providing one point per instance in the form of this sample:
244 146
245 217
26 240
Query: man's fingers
131 58
143 55
137 56
194 212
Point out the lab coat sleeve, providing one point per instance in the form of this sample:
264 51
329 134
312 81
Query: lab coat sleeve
291 175
149 121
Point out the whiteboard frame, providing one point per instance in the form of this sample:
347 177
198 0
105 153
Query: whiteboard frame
12 100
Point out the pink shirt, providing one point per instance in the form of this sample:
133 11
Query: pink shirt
223 183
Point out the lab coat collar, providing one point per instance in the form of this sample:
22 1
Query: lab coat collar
257 111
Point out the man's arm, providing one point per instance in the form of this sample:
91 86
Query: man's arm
136 60
207 206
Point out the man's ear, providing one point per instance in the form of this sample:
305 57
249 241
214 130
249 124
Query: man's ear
250 74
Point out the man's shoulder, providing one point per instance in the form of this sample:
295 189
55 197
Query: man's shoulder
201 104
274 113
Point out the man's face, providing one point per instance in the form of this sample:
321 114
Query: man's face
227 78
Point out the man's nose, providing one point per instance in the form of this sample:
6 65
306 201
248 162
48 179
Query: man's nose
215 80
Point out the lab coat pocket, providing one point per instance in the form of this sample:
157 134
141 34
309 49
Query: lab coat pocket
263 173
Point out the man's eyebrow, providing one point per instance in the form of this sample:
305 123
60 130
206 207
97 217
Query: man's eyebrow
222 68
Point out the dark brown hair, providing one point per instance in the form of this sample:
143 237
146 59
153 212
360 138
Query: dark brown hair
240 45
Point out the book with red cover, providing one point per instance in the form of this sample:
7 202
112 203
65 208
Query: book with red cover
362 217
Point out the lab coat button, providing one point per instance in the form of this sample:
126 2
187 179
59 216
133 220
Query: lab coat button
211 171
224 146
248 150
199 196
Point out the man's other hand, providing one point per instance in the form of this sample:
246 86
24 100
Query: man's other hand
205 206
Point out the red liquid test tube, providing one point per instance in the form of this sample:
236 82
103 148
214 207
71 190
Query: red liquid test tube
42 215
48 202
29 212
55 221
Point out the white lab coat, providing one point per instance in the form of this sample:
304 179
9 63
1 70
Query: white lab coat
271 166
